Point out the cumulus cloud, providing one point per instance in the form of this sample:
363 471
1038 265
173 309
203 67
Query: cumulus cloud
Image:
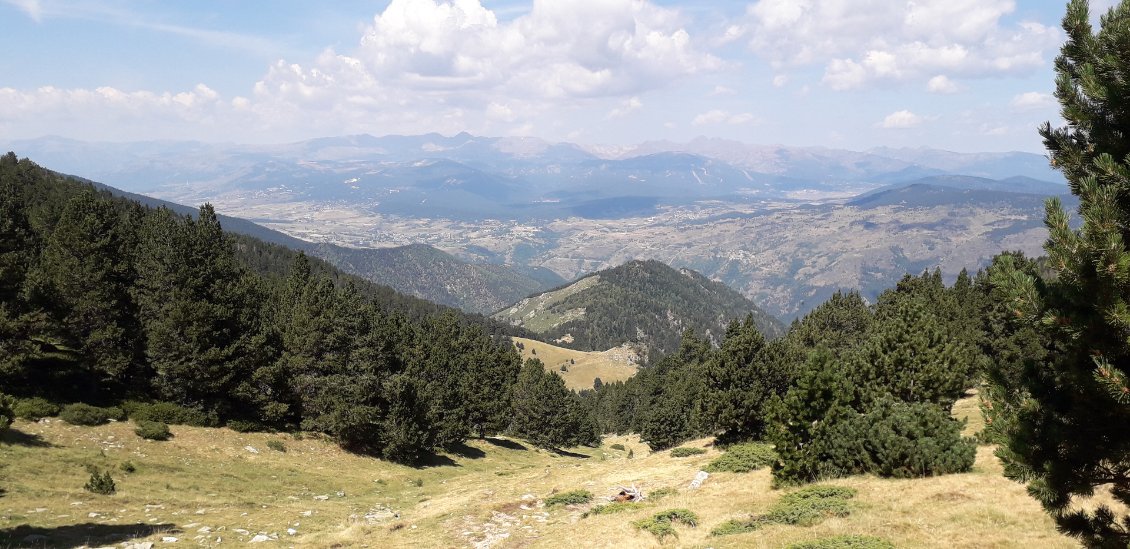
629 105
1032 101
860 42
941 84
901 120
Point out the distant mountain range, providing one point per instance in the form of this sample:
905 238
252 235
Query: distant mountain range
643 302
467 177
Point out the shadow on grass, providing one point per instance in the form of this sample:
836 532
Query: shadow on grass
435 460
78 535
566 453
13 437
469 452
505 443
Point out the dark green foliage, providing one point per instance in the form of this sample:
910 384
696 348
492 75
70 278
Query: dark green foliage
618 446
1065 417
805 507
34 409
100 483
741 379
546 413
574 497
818 434
662 493
276 445
6 413
639 296
845 542
661 524
85 414
613 508
152 430
245 426
128 467
743 458
169 413
686 451
104 300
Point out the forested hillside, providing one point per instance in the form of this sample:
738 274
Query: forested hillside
644 302
104 301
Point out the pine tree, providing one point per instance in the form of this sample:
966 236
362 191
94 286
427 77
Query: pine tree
740 381
17 252
1070 434
544 411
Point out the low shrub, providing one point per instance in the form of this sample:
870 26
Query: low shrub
35 409
6 413
276 445
662 523
611 508
128 467
244 426
662 493
845 542
169 413
575 497
686 451
85 414
743 458
618 446
100 483
152 430
804 507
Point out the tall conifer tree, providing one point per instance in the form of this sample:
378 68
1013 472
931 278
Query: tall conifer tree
1070 435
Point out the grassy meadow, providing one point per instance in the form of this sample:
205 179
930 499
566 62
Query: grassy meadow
581 367
217 487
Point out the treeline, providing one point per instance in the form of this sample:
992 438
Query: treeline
105 301
850 388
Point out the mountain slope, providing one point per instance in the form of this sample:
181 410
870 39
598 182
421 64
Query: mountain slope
644 302
431 274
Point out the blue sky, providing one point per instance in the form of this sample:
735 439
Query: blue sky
965 75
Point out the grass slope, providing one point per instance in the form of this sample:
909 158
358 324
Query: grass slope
486 497
616 364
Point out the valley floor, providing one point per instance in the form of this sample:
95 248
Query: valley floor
216 487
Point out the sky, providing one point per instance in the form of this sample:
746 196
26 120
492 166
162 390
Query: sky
962 75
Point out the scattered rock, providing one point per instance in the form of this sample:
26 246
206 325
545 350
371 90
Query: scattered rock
251 449
307 513
140 545
699 478
241 531
321 498
259 539
291 531
93 515
204 530
169 539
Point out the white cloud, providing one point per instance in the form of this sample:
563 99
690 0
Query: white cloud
1032 101
718 116
719 91
32 8
780 80
901 120
629 105
859 42
941 84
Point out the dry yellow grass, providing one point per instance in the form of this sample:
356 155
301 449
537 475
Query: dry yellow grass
486 497
616 364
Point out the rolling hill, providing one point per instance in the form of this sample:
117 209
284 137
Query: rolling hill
581 369
642 302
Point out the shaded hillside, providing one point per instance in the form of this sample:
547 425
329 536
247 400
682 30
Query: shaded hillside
416 270
928 195
431 274
645 302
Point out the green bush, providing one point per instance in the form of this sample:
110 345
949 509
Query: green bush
686 451
35 409
244 426
169 413
128 467
85 414
845 542
6 414
804 507
611 508
743 458
100 483
662 493
575 497
276 445
618 446
662 523
152 430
